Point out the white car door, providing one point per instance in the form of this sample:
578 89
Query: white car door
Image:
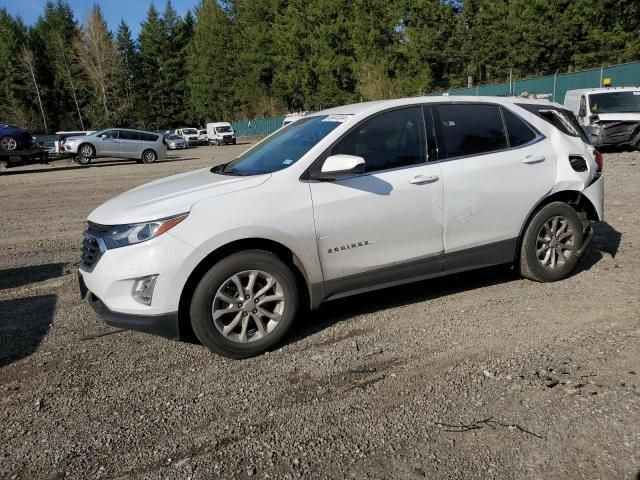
496 169
384 226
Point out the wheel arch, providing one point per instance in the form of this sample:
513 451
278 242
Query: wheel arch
278 249
577 200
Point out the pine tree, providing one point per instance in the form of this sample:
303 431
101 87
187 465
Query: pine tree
127 87
209 79
12 85
151 101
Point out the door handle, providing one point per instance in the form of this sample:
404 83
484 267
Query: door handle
534 159
422 179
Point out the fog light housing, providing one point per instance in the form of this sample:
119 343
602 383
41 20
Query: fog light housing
143 289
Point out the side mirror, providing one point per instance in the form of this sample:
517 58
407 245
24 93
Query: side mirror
340 166
103 136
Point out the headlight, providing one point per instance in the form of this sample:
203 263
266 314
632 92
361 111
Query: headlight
123 235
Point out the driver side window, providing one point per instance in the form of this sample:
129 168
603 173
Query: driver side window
583 107
389 140
110 134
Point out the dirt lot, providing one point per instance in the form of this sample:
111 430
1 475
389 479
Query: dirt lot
481 375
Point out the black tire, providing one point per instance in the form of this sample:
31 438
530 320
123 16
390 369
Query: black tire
149 156
234 141
8 143
205 293
531 266
86 152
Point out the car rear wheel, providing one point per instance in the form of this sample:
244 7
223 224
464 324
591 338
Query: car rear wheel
551 243
245 304
8 144
149 156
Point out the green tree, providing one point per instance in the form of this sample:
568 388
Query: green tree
209 79
13 108
127 87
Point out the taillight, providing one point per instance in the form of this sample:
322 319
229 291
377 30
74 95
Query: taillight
599 160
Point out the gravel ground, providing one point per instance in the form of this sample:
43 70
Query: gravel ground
481 375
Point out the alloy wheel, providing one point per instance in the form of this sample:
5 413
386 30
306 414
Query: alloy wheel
555 243
9 144
248 306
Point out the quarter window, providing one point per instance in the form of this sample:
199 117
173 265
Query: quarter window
389 140
519 132
470 130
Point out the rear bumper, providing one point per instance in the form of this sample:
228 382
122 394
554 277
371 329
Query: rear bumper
165 325
595 194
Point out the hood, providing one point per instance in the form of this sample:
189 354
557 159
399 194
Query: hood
620 117
170 196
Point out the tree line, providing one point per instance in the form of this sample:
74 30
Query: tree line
243 59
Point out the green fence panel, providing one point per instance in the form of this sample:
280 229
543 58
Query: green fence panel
257 127
624 75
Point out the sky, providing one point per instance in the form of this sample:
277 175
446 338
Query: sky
133 11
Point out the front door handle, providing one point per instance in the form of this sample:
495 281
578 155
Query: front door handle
533 159
422 179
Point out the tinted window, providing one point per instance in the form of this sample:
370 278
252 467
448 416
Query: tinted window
283 148
128 135
470 130
390 140
562 119
148 137
519 132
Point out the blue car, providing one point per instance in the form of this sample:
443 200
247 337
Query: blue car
14 138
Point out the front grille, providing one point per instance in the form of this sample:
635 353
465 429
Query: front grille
90 253
227 136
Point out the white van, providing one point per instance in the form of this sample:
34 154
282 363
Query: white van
609 116
190 135
221 133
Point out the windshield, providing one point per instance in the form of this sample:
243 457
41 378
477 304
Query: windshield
615 102
174 137
283 148
203 132
189 131
223 129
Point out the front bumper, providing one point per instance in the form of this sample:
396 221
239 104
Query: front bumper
165 325
613 133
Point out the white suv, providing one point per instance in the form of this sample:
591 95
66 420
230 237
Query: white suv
351 199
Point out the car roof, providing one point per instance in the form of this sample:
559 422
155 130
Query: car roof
379 105
603 90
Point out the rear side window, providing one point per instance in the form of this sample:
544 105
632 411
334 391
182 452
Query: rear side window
470 129
389 140
562 119
128 135
519 132
148 137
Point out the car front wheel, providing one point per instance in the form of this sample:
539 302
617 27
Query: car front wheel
245 304
551 243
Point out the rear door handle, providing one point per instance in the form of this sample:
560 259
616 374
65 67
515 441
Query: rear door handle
422 179
534 159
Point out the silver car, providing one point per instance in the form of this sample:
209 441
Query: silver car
145 147
175 142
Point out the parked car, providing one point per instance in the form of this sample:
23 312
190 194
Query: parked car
175 142
221 133
57 149
344 201
609 116
14 138
190 135
203 139
146 147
